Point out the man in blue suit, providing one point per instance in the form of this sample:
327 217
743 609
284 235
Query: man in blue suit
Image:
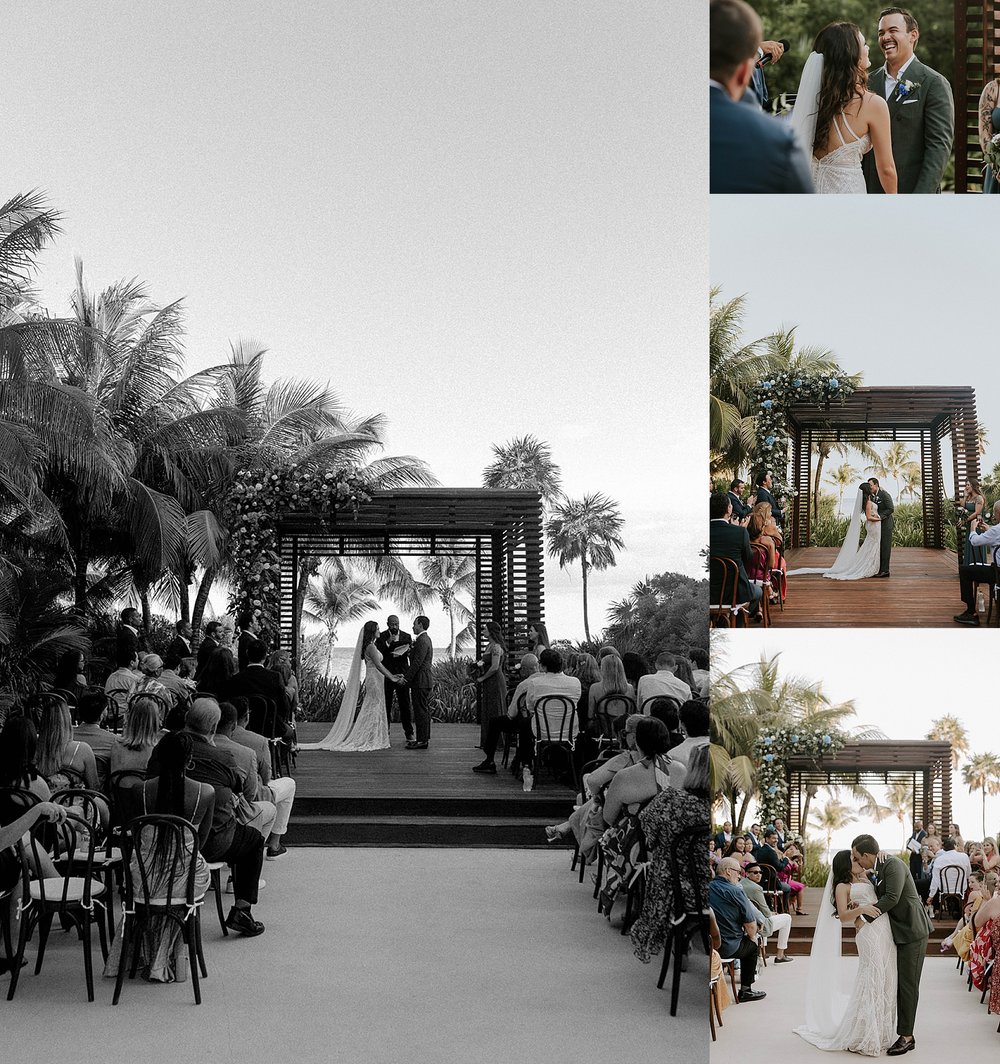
750 152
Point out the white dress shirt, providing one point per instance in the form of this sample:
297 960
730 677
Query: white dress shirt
663 682
891 82
945 859
989 538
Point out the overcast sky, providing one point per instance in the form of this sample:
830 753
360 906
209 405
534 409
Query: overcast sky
900 682
457 213
901 289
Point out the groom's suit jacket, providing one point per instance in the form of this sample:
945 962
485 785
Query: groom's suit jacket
898 899
884 503
421 658
922 123
750 151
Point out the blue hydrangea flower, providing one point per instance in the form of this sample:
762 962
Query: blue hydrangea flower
769 757
827 740
834 383
772 789
770 441
797 382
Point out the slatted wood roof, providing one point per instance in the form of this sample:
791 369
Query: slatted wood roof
888 413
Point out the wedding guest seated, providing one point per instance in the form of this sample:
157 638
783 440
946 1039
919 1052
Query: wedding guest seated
612 682
280 661
714 856
587 821
91 710
280 789
586 669
140 734
260 814
767 854
979 572
738 925
741 849
664 818
230 841
123 681
981 888
991 859
699 670
663 709
631 787
151 666
635 667
550 681
605 651
179 689
731 542
949 857
664 681
57 749
695 719
773 923
750 152
255 679
71 675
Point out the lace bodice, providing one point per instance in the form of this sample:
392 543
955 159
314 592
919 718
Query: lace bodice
839 171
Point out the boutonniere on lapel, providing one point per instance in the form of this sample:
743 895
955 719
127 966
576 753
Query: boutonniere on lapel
906 90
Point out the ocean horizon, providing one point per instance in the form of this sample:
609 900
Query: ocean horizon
340 660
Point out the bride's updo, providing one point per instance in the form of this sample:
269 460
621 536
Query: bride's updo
842 871
845 77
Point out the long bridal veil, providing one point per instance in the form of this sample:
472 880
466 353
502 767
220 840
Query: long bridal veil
849 550
806 110
830 978
348 706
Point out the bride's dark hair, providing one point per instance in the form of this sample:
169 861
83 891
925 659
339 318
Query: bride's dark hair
843 872
844 78
370 634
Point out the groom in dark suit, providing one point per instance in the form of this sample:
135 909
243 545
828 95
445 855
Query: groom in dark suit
390 644
418 676
884 505
749 150
921 108
898 899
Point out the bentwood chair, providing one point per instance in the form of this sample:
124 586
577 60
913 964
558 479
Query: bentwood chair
610 713
777 899
510 737
724 611
550 738
764 583
165 851
951 894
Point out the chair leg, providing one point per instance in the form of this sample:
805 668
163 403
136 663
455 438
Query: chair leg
190 937
732 979
680 948
123 958
711 1011
44 925
217 887
88 960
718 1011
668 942
102 935
600 875
201 951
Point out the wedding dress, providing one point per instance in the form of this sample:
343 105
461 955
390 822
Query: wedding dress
839 171
369 728
851 1006
856 561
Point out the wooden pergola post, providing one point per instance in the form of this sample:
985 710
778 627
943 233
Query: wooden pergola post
977 53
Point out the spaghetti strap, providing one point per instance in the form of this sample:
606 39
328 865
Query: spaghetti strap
836 127
849 129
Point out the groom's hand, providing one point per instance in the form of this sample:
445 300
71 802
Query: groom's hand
871 910
775 49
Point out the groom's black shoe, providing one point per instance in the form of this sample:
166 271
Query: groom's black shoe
882 574
901 1046
968 617
751 995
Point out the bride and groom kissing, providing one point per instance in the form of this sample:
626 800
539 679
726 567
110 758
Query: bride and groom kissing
852 130
385 658
856 560
854 1009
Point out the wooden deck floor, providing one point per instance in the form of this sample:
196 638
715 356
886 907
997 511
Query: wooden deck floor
922 592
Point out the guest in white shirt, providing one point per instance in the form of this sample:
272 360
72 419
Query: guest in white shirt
662 682
950 857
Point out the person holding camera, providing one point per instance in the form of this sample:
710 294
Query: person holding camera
979 572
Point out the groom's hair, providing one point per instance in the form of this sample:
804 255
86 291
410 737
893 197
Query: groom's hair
873 480
911 22
718 505
424 622
865 844
734 32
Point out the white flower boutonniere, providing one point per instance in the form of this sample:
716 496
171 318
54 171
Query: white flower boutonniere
905 90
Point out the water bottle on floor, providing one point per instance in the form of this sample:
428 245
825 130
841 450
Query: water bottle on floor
980 603
527 780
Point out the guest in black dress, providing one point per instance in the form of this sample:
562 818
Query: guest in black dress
494 679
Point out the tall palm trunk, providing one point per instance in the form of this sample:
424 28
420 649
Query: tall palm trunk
810 794
331 638
201 600
81 570
823 452
451 637
147 613
586 620
183 583
299 598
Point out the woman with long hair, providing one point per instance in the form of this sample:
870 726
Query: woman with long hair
586 669
57 750
973 504
170 793
18 769
989 127
538 637
837 119
613 682
71 673
493 681
281 662
991 859
140 734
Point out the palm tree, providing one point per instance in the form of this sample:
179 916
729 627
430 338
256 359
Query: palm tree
339 596
586 530
842 478
982 773
447 577
950 729
894 463
834 816
524 463
912 481
899 798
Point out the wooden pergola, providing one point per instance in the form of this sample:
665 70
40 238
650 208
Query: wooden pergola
924 416
977 61
502 530
926 763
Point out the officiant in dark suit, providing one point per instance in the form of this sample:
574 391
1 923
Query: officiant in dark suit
394 646
921 108
749 151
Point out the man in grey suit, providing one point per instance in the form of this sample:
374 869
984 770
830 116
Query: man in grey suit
921 108
418 676
749 151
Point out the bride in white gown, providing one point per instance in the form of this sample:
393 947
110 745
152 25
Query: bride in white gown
847 1006
836 119
856 561
368 729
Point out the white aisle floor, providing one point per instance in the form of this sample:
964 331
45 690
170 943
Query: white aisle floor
382 955
760 1032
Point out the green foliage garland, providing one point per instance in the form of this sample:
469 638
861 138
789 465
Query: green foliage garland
255 503
771 399
771 753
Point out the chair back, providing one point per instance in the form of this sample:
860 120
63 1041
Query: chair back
770 886
724 574
657 705
953 880
119 784
687 850
164 851
86 804
71 846
258 714
18 800
555 719
610 712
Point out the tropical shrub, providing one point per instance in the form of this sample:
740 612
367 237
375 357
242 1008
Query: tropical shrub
453 696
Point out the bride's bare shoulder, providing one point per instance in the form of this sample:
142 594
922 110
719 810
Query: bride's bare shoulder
874 104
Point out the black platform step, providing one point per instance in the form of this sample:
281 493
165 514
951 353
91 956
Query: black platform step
556 805
520 832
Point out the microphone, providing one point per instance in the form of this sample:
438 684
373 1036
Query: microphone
767 58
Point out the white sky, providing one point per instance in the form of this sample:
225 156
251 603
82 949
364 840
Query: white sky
458 213
900 682
902 289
